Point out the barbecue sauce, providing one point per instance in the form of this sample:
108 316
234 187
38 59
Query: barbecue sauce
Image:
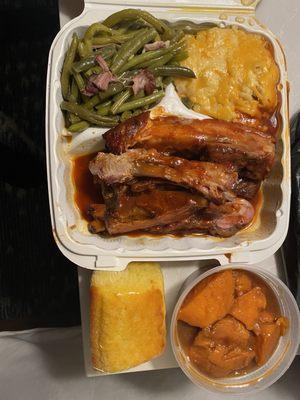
86 192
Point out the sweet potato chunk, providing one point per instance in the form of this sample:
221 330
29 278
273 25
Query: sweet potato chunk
209 301
283 324
220 361
247 307
242 283
229 331
266 317
231 359
266 342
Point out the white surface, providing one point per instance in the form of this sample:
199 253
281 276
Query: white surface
48 365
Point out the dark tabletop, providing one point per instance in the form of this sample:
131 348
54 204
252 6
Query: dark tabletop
38 285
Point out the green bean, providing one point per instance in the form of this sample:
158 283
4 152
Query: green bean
125 115
127 76
113 88
88 115
159 82
104 108
181 55
131 47
66 70
74 93
78 127
95 29
177 36
147 56
73 119
92 102
174 63
157 62
131 13
191 28
139 95
132 105
137 112
88 62
117 39
88 46
120 99
94 70
79 80
173 70
84 64
83 50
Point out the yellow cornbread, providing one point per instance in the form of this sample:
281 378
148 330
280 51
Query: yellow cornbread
127 321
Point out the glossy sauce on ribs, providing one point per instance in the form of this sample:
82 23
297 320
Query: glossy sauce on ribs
215 182
251 150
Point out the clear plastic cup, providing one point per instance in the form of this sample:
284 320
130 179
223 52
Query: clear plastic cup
263 376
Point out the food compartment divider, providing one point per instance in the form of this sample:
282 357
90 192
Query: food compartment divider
85 250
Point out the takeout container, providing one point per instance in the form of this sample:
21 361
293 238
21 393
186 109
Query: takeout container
193 252
253 244
263 376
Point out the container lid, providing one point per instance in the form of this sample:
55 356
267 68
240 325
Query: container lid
243 5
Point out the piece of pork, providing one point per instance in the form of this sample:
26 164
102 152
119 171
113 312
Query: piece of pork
251 150
214 181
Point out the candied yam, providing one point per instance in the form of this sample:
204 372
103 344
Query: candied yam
220 361
243 283
200 357
229 331
203 339
266 317
231 359
247 307
266 342
208 301
283 324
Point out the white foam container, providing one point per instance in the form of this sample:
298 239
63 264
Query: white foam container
191 253
69 230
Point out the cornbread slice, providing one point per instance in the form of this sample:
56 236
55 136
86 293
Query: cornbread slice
127 323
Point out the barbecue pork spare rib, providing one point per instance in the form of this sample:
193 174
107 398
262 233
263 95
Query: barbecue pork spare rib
173 175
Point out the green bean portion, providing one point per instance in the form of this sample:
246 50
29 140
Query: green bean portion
88 115
67 67
120 40
79 80
78 126
157 62
88 62
95 29
148 56
113 88
92 102
104 108
117 39
120 99
132 14
173 70
131 47
132 105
